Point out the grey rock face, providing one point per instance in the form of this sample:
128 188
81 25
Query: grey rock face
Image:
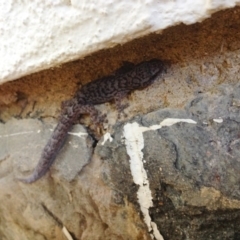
193 169
23 141
190 158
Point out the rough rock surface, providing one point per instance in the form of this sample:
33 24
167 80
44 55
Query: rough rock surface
83 204
186 142
193 170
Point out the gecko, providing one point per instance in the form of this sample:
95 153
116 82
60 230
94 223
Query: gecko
114 87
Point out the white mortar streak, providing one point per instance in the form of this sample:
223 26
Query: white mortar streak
167 122
170 121
16 134
218 120
156 233
66 233
79 134
107 136
134 143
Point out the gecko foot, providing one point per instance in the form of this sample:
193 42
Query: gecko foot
120 109
99 119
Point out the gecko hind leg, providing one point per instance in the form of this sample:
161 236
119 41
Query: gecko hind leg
97 120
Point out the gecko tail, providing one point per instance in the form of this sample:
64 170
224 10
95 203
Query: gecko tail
41 169
51 150
32 178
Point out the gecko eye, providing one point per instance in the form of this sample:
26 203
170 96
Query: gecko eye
155 66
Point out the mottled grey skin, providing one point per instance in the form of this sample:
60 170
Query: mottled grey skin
100 91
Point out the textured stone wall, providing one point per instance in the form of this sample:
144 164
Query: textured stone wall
186 138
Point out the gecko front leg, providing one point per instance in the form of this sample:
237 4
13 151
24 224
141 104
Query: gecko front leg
118 101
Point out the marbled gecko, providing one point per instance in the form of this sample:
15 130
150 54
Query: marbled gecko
106 89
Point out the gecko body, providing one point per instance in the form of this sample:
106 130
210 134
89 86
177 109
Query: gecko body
102 90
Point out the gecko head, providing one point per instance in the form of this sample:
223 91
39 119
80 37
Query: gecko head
155 66
148 71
